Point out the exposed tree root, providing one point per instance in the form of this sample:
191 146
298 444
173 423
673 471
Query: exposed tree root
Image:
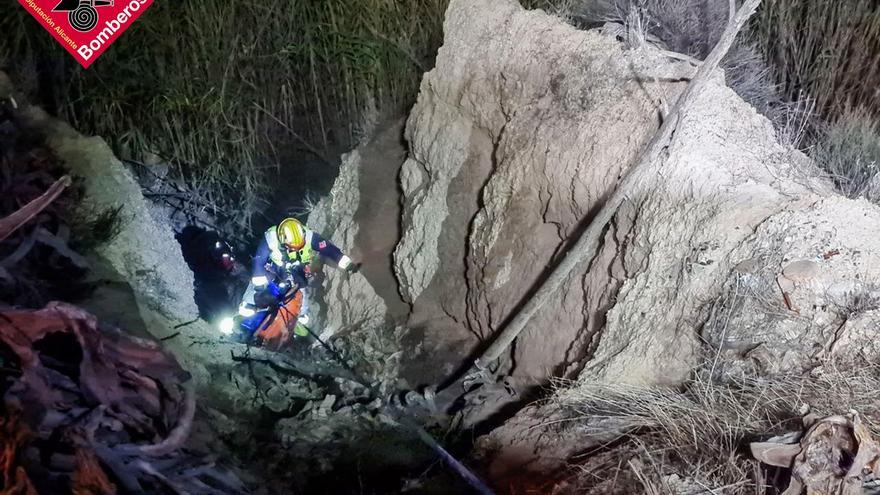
110 412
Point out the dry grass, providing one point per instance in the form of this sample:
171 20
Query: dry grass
698 435
848 149
232 91
828 51
800 62
309 203
689 27
243 88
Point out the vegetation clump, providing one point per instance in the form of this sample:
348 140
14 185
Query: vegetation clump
811 67
697 437
826 51
232 108
848 149
92 229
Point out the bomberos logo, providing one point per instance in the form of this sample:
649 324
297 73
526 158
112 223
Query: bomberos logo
86 28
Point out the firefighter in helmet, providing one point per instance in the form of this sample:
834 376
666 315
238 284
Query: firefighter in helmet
289 248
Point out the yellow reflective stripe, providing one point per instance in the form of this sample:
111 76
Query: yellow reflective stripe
300 330
275 253
304 255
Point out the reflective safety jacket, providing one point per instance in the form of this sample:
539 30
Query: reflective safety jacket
271 253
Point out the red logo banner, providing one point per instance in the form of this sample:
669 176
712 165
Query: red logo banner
85 28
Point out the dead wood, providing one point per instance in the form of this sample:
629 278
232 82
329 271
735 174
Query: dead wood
835 454
121 404
14 221
60 246
13 436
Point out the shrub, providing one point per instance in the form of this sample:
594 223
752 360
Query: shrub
848 149
798 63
689 27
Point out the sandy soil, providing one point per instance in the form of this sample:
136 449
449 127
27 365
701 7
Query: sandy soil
378 214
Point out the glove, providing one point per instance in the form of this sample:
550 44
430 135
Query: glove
265 299
349 266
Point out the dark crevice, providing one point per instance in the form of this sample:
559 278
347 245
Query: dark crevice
218 278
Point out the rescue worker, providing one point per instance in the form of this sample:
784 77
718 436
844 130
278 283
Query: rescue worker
217 277
289 248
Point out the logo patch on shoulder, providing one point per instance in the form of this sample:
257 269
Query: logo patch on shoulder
322 244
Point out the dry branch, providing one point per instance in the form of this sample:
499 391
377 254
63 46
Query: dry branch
588 243
13 222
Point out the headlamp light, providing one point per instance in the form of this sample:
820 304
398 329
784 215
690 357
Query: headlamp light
226 325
